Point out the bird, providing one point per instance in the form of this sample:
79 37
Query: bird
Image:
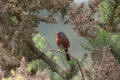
63 43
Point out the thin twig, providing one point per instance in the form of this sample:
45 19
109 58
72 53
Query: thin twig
78 63
83 76
55 67
56 50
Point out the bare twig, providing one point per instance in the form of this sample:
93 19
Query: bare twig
78 63
42 56
56 50
82 73
53 66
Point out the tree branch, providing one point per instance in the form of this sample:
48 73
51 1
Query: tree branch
82 73
42 56
66 75
77 61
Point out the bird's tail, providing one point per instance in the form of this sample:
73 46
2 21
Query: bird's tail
67 55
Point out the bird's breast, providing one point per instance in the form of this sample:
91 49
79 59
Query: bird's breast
62 42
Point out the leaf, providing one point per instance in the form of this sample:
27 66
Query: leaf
63 60
106 11
76 78
54 58
39 41
36 37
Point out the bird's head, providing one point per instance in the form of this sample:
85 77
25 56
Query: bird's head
60 34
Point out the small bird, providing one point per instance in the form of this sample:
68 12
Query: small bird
63 43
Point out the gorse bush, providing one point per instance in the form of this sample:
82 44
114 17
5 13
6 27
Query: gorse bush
117 15
32 67
39 41
105 38
106 11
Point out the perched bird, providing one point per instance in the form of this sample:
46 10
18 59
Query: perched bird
63 43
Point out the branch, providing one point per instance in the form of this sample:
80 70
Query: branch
78 63
48 19
56 50
82 73
42 56
66 75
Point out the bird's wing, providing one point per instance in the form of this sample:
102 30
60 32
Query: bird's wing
64 42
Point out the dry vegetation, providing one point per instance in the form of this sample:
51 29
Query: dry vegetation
18 20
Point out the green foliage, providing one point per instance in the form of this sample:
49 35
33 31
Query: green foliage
92 43
106 11
117 15
32 66
86 47
63 60
54 76
105 38
43 65
76 78
84 57
54 58
48 53
72 63
39 42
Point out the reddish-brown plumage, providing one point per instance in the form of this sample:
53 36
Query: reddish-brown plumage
63 43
